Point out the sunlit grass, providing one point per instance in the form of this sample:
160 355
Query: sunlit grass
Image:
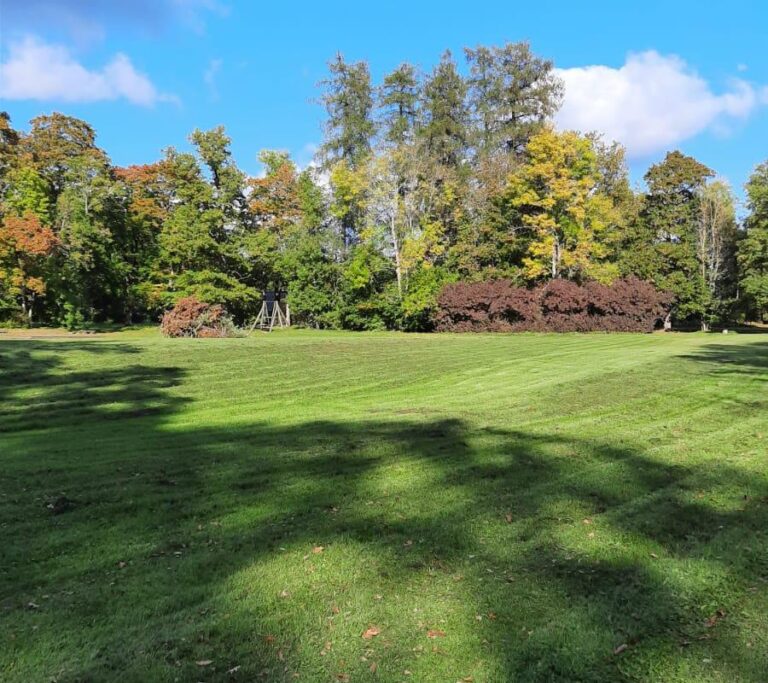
495 508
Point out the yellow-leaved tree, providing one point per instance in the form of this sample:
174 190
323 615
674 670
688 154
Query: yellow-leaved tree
557 200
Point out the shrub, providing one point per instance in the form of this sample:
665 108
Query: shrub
193 318
628 305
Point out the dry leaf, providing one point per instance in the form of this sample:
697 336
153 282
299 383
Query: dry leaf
284 594
709 623
373 667
318 549
435 633
234 669
620 649
370 632
508 517
204 662
344 678
335 609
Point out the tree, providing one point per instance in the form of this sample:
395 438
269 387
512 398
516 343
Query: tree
9 143
556 200
512 94
25 244
348 100
753 248
399 104
444 131
54 141
716 239
662 245
349 130
148 203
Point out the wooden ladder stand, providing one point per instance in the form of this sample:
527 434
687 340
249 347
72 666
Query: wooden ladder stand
266 322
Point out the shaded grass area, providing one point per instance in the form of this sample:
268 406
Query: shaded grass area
496 508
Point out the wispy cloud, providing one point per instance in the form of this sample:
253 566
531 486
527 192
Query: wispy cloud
209 78
651 103
89 21
35 70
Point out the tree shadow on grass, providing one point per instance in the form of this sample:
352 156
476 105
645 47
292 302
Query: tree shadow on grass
273 548
750 359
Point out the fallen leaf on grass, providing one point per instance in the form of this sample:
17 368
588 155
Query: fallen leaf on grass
318 549
508 517
344 678
370 632
620 649
204 662
233 670
373 667
711 621
435 633
285 594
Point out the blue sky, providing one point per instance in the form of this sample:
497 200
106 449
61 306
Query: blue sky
656 75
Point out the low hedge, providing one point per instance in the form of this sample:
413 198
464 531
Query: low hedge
626 305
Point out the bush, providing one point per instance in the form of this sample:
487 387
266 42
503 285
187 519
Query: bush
193 318
628 305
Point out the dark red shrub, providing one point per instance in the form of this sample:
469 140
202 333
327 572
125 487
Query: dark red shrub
628 305
193 318
485 306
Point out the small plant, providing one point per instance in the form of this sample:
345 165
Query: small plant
193 318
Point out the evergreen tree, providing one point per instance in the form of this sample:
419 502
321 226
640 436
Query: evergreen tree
512 93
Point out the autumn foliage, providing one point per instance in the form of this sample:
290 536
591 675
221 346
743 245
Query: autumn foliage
627 305
193 318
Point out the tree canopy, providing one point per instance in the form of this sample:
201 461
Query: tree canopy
423 179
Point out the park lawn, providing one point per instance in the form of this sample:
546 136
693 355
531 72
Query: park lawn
305 506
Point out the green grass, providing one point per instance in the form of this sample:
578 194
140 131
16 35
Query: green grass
552 508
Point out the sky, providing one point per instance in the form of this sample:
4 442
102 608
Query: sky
653 75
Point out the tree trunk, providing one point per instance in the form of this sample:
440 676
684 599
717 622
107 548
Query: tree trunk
398 264
555 258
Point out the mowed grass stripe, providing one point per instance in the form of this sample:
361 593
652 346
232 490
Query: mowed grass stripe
447 480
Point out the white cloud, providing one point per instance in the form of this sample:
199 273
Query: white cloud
650 104
209 77
35 70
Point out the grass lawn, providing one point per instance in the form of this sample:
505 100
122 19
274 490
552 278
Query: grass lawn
384 507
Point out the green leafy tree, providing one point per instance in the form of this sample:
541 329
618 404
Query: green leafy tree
661 245
753 248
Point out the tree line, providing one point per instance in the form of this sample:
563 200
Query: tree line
424 179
